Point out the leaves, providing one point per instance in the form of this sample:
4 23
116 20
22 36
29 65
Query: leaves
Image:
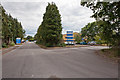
49 32
90 30
108 16
11 28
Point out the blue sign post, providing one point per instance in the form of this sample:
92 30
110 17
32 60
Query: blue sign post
18 40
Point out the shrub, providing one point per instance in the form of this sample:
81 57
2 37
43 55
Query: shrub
12 44
62 45
48 45
4 45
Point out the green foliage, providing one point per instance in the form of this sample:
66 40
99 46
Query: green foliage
12 44
4 45
30 38
78 38
48 45
11 28
61 45
107 15
90 31
49 32
99 40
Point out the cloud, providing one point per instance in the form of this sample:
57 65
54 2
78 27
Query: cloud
30 13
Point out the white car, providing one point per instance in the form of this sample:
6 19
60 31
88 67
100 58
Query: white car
34 41
92 43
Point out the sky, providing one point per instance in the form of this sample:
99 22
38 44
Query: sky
30 13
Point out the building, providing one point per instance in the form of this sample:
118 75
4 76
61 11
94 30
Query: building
69 37
64 37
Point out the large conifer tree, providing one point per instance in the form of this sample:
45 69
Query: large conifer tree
49 32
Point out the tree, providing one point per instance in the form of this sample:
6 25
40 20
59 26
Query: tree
29 37
5 27
99 40
78 38
11 28
107 15
90 31
49 32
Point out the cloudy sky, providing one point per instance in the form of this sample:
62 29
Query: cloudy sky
30 13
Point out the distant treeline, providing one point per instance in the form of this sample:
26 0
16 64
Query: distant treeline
11 28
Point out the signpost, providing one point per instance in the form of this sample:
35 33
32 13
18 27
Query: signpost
18 40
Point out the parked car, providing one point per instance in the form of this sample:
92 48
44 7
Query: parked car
35 41
83 43
69 43
23 41
92 42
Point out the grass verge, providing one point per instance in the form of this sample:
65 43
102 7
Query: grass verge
111 54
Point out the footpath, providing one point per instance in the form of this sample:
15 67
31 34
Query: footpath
6 50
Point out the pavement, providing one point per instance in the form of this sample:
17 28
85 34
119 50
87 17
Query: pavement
6 50
31 61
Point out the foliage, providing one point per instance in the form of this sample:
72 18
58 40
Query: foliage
107 15
4 45
90 31
49 32
29 37
99 40
61 45
11 28
78 38
12 44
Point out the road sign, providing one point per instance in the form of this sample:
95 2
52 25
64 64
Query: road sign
18 40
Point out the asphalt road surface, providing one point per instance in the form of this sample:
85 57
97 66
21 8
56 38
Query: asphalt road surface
30 61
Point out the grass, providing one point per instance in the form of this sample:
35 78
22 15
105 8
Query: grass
111 53
47 46
44 47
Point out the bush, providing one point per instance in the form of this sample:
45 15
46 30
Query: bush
12 44
61 45
98 42
58 45
4 45
48 45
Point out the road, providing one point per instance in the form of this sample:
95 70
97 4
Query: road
30 61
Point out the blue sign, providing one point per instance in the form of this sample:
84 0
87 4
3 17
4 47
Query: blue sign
18 40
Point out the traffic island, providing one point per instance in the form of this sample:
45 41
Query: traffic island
67 46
